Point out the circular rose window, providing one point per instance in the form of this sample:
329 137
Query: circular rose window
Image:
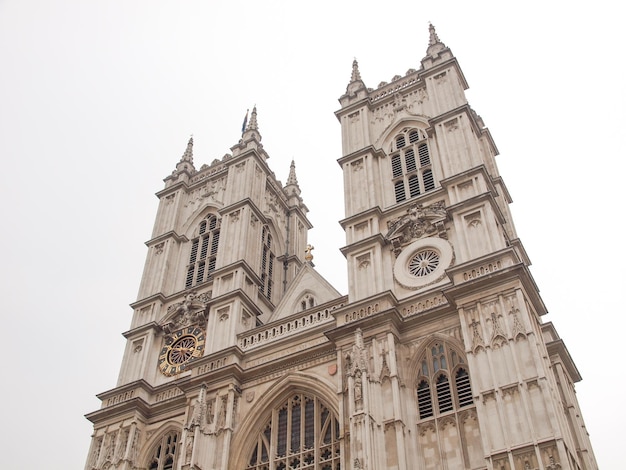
423 262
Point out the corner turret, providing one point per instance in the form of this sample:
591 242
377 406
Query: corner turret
356 89
251 137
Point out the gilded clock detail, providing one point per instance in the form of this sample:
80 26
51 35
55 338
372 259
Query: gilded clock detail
180 349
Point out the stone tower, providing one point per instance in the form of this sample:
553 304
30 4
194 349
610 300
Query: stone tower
242 356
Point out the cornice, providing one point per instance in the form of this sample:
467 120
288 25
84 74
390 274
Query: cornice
154 326
164 236
488 272
247 202
467 203
437 68
374 212
158 297
370 149
377 238
241 263
463 109
558 348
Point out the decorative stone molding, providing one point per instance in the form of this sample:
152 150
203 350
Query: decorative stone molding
191 311
423 262
418 222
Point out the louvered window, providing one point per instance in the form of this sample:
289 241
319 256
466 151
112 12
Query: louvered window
267 264
396 166
414 186
443 383
399 188
429 182
301 433
463 389
424 401
411 166
444 395
203 255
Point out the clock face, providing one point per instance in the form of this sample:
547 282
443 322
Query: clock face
181 348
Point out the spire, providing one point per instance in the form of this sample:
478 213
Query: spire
356 88
188 155
437 51
292 190
292 174
250 137
186 161
434 39
253 126
356 75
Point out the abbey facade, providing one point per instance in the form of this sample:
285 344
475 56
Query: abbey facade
241 356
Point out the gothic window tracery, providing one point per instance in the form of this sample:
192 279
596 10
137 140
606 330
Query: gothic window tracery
443 384
267 264
164 455
411 166
301 433
203 256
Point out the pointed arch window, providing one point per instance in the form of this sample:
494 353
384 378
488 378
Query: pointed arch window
308 301
164 455
443 384
267 264
411 166
301 433
203 256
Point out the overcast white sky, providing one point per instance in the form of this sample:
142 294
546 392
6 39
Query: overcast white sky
99 98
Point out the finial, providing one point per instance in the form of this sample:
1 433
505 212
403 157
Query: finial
188 155
253 124
356 75
292 174
434 39
308 256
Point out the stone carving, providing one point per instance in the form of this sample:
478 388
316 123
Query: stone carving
221 419
358 389
385 372
357 358
418 222
518 329
552 464
399 101
477 339
498 337
191 311
189 448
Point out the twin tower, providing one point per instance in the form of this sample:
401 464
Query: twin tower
241 356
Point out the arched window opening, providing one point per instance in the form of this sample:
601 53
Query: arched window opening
444 369
400 142
203 256
308 301
411 176
165 452
301 433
